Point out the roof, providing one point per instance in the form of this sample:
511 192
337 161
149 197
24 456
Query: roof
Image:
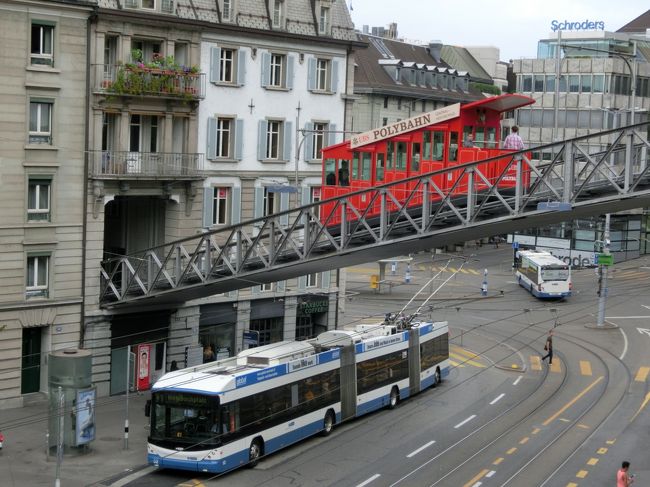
640 24
501 103
370 75
542 257
461 59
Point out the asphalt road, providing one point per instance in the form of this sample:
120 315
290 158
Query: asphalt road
502 417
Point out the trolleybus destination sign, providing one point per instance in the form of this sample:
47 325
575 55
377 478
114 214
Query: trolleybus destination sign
403 126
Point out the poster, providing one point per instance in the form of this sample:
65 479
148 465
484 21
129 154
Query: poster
85 416
143 358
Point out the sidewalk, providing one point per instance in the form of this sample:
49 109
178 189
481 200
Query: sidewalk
24 460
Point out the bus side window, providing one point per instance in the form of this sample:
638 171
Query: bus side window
453 146
415 157
379 170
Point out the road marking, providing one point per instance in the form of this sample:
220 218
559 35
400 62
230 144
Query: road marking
571 484
496 399
624 344
647 398
490 473
626 317
517 381
585 367
601 451
592 461
644 331
466 360
415 452
583 426
610 442
472 271
572 401
464 352
642 374
555 366
465 421
524 440
134 476
497 461
511 451
478 476
535 431
366 482
456 364
535 362
582 474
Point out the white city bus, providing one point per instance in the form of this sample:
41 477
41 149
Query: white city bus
544 275
226 414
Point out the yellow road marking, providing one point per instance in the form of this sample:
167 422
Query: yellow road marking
524 440
571 484
572 401
592 461
601 451
535 362
583 426
466 361
497 461
642 374
456 364
478 476
452 269
511 451
555 366
191 483
582 474
472 271
645 401
456 348
536 430
585 367
610 442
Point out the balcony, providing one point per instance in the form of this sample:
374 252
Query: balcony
138 79
124 165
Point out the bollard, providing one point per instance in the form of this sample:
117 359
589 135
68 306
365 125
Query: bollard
484 284
407 276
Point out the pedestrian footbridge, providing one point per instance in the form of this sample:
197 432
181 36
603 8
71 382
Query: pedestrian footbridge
590 175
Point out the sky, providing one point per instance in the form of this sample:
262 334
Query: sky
512 26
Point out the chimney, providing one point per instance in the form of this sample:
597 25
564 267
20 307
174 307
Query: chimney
434 50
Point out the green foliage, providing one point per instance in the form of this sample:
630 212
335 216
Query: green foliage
485 88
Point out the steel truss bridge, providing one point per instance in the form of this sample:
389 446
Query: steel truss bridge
590 175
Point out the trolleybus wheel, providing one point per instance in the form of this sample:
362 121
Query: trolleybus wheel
394 398
254 452
328 423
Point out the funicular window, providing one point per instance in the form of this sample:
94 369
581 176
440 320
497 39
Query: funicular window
453 146
491 140
479 138
381 371
390 161
366 164
426 144
344 172
400 153
468 136
356 156
330 172
434 351
415 157
379 170
438 145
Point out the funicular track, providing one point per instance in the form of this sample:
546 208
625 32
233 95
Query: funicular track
304 240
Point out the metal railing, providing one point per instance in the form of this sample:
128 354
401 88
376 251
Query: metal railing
425 211
124 164
131 80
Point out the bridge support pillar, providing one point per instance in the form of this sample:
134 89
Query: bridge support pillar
290 317
183 333
243 322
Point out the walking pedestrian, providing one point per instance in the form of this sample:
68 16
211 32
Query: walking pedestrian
624 479
548 348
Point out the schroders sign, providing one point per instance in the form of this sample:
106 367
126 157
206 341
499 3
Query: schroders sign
584 25
403 126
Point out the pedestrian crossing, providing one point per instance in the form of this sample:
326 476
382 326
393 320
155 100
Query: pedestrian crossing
536 365
460 357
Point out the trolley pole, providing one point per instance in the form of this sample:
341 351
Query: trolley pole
602 294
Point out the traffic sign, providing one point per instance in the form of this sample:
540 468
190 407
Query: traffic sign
515 245
251 337
605 259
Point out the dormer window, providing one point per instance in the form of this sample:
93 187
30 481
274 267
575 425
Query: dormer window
166 6
226 15
277 12
324 22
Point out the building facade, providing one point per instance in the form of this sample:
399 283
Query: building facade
42 127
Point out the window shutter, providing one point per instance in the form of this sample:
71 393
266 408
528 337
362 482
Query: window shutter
302 282
208 195
334 87
215 57
325 280
284 205
261 140
235 200
239 138
311 74
241 67
290 60
332 135
309 141
266 69
211 148
288 136
259 202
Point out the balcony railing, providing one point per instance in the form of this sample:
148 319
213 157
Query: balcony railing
135 80
134 165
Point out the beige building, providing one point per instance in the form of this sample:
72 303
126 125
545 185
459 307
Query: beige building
42 140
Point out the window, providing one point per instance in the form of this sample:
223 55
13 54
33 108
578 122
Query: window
384 122
574 83
42 50
385 102
312 280
315 197
277 13
143 133
226 66
220 206
40 123
271 202
538 83
224 137
277 70
37 276
149 4
527 83
273 138
318 138
226 14
322 70
38 200
266 287
324 23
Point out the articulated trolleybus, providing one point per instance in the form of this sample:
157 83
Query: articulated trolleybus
543 274
226 414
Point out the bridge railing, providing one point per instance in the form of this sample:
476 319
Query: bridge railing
450 198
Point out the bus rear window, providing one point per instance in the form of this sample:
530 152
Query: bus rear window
555 273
